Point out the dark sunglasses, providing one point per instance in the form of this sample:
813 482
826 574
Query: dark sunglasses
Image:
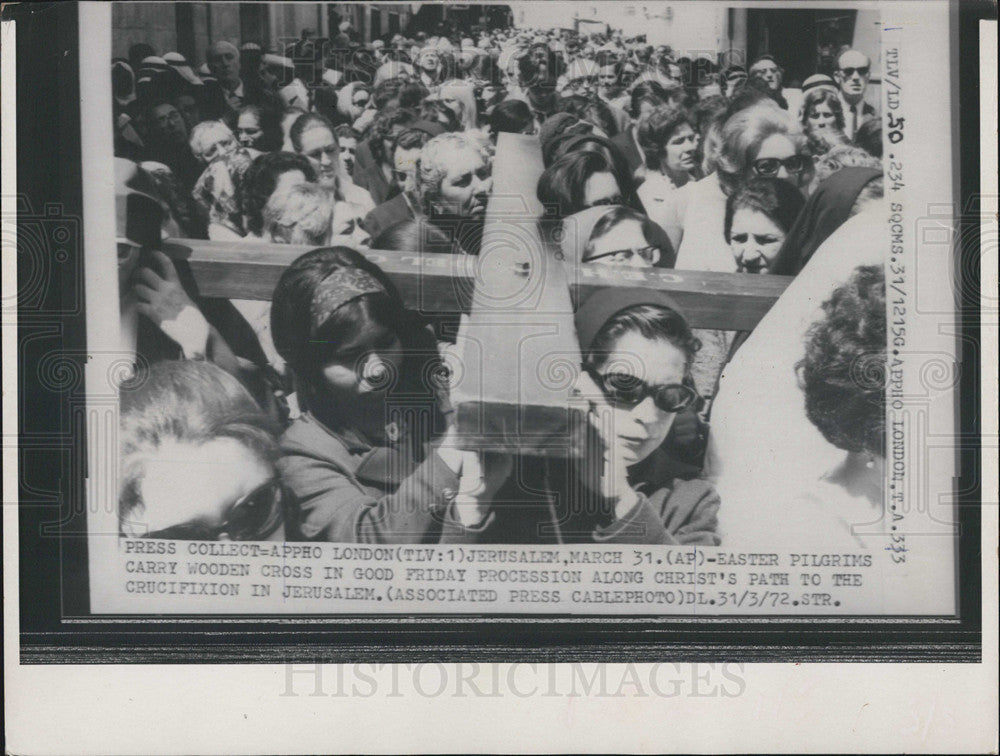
254 517
849 72
768 167
628 391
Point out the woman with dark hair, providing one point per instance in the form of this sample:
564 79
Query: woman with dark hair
670 142
435 111
595 112
267 174
759 216
637 356
259 127
364 460
579 180
843 376
513 117
197 458
759 141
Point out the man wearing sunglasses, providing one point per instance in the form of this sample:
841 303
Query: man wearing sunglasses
852 75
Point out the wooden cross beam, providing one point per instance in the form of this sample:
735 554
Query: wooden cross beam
435 282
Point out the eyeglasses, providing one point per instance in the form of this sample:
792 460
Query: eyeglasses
769 167
629 391
253 517
650 254
860 70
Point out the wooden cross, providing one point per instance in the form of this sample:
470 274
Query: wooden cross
520 349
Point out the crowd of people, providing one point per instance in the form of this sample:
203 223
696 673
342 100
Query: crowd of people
325 411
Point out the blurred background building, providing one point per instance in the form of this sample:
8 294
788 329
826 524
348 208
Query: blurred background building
804 40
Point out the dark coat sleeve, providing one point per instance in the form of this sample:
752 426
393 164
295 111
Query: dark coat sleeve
685 513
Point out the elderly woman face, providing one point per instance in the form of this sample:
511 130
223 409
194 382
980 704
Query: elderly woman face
428 60
637 376
623 244
466 184
319 145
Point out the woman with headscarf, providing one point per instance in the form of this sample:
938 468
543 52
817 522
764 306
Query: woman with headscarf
832 203
365 461
635 379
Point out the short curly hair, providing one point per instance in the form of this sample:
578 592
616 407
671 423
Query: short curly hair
843 373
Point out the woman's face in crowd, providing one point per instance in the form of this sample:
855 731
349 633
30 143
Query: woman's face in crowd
682 150
248 129
466 185
780 147
641 429
320 146
623 244
428 61
754 240
645 108
821 116
602 189
218 475
218 144
367 366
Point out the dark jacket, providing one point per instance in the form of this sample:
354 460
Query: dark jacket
346 490
545 506
625 141
368 175
388 214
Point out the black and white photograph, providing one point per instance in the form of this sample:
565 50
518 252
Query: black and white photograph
527 331
401 285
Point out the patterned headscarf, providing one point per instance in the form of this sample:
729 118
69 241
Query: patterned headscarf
339 288
219 189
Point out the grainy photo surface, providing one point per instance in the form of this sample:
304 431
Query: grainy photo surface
528 308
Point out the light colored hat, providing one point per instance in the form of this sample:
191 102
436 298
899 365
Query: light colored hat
332 77
818 80
278 61
179 63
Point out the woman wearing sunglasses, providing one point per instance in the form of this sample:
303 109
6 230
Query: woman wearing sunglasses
197 457
615 235
759 141
626 487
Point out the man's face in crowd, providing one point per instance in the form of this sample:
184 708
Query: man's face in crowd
428 60
608 78
168 124
853 70
768 72
224 62
348 150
